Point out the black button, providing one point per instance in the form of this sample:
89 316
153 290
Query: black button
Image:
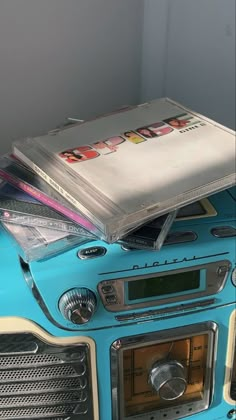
232 414
129 248
107 289
180 237
92 252
223 232
111 299
222 270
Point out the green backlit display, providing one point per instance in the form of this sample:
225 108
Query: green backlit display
163 285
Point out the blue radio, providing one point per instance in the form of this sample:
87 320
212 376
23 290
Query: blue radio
112 333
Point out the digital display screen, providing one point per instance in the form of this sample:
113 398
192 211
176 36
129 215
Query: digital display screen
163 285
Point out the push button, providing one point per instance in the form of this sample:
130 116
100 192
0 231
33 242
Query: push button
129 248
107 289
222 270
232 414
224 232
111 299
91 252
180 237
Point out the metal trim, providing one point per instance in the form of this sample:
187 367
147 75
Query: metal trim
124 343
215 284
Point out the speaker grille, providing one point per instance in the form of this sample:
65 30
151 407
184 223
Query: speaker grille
39 380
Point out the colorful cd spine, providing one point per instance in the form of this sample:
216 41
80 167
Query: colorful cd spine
44 198
35 244
23 178
20 208
24 219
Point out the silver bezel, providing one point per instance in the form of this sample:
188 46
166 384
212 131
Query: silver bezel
215 282
125 343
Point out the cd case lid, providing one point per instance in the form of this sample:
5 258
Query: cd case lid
36 243
25 181
127 168
18 207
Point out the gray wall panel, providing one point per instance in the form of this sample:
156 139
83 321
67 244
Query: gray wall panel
189 55
154 48
201 57
62 58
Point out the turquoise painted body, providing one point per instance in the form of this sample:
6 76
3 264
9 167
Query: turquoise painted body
55 276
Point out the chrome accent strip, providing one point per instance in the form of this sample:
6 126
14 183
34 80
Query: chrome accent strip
35 292
165 311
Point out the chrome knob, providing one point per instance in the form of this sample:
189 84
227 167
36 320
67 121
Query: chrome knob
78 305
168 379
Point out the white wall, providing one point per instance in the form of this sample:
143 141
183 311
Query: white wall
62 58
198 57
201 57
154 48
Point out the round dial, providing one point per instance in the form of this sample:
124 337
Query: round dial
168 379
78 305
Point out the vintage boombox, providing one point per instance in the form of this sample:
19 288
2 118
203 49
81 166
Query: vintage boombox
114 333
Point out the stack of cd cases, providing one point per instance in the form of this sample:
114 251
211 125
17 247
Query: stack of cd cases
121 177
20 208
44 224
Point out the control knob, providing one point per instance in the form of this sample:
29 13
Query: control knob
78 305
168 379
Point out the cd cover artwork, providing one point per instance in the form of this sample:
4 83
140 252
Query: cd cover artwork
125 169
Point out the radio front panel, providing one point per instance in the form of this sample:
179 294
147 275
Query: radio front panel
188 353
194 275
178 349
118 285
153 332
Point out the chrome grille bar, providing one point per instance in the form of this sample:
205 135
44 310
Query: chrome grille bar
43 386
39 380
